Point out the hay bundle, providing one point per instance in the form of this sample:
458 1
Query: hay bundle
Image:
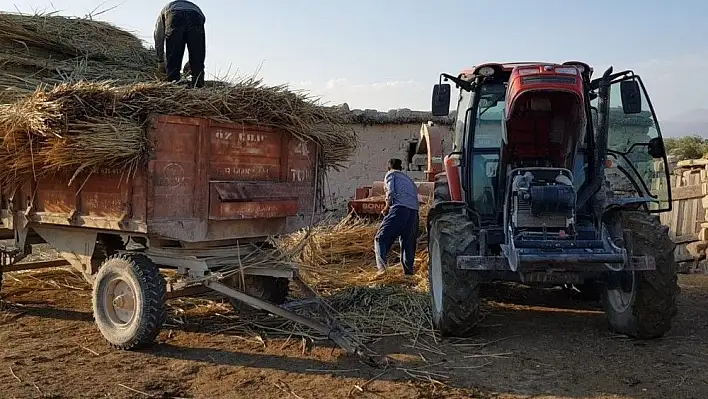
38 50
89 126
334 257
79 94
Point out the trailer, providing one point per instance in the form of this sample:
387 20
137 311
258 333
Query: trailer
211 195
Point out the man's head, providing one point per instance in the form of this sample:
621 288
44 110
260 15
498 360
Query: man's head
395 164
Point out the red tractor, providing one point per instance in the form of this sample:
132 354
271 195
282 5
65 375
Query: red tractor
554 178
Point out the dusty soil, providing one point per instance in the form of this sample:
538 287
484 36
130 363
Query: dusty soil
525 348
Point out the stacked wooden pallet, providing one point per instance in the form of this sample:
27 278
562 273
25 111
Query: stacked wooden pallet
688 219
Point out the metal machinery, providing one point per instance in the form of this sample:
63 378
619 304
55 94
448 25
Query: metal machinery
425 154
553 178
203 208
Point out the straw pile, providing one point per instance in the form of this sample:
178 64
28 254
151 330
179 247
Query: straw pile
341 256
46 49
66 119
89 126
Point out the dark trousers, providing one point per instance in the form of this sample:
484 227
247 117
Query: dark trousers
402 223
185 29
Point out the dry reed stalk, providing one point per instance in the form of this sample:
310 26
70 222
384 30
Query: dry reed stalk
37 50
46 62
72 36
104 125
338 256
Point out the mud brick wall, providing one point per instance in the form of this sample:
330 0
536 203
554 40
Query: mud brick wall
382 135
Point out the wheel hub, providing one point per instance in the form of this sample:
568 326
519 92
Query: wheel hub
120 302
621 295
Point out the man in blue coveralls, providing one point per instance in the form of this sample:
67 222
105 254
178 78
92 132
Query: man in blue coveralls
400 219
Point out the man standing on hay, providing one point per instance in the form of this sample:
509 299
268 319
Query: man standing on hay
180 25
400 220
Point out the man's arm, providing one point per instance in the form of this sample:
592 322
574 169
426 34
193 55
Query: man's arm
389 188
160 37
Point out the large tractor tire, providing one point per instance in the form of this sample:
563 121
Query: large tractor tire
270 289
129 297
441 189
642 304
454 292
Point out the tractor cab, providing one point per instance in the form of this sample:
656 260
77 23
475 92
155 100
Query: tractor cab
535 114
551 181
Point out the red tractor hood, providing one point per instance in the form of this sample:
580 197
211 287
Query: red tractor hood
545 116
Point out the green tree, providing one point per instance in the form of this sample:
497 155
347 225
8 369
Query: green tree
688 147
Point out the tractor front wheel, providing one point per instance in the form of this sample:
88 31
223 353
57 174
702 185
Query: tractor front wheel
454 292
642 304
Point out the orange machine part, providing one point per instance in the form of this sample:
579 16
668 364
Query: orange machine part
453 178
432 138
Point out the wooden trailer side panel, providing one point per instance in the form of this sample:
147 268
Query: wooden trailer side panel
106 200
205 181
225 181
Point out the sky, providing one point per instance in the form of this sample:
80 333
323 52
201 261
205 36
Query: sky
387 54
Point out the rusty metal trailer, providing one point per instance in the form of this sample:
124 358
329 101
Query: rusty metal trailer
210 192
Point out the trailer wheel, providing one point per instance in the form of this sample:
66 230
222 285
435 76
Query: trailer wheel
642 304
129 301
270 289
454 292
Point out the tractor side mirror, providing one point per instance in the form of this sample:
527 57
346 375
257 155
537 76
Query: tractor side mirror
656 148
441 99
631 97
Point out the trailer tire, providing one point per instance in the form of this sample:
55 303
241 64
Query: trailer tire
129 301
650 306
270 289
454 292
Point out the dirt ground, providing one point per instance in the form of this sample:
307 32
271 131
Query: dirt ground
49 347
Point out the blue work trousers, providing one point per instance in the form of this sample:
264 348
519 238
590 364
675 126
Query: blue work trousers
402 223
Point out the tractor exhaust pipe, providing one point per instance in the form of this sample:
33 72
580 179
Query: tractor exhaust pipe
600 156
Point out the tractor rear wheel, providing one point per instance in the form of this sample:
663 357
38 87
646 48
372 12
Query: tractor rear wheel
454 292
441 189
642 304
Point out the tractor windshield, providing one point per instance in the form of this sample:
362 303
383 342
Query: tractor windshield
485 119
635 171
